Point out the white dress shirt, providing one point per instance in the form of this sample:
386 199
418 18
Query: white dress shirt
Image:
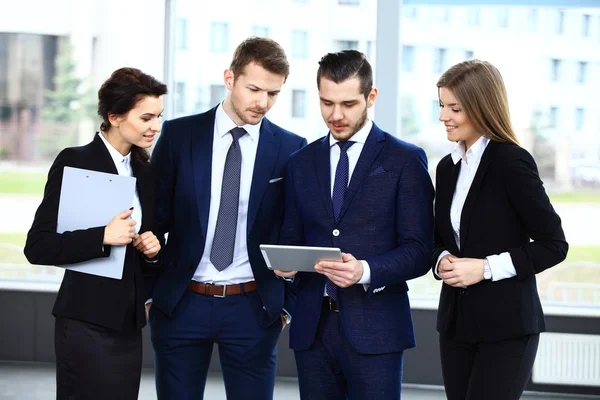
501 265
239 271
359 139
123 165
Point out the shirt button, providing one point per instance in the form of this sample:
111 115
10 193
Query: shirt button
336 232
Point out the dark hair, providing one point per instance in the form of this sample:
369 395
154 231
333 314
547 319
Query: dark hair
344 65
120 93
265 52
479 88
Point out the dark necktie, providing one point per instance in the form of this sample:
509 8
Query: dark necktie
221 254
340 185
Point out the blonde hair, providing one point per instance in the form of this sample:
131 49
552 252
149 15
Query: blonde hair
480 90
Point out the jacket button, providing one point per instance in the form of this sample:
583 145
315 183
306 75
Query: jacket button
336 232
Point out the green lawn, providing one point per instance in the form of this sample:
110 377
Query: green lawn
18 182
575 197
11 248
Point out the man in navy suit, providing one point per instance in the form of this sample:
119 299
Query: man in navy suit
220 195
368 193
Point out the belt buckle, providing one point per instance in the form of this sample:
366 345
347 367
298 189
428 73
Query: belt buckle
331 307
224 292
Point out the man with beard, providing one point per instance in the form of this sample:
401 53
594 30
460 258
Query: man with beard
220 185
368 193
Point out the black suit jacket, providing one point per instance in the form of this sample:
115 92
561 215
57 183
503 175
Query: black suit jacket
506 210
101 301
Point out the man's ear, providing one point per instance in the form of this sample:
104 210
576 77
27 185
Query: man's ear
372 96
229 79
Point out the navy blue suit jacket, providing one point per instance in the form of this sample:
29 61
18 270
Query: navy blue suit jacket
183 162
386 219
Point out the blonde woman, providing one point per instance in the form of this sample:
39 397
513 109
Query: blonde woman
495 229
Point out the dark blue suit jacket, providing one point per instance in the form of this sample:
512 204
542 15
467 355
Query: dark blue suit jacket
386 219
183 161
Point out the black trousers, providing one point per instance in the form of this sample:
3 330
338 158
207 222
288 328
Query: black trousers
476 369
93 362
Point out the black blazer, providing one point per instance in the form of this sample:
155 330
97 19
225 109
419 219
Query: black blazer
98 300
505 209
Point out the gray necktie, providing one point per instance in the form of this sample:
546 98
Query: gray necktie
221 254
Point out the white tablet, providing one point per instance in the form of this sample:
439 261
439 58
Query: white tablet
297 258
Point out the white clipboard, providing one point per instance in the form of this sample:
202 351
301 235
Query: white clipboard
89 199
297 258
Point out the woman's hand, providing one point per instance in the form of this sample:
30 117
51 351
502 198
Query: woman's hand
120 230
147 243
461 272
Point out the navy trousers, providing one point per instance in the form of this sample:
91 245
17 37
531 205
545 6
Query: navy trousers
183 346
331 369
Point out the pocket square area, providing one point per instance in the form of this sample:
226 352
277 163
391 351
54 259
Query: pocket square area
276 179
377 171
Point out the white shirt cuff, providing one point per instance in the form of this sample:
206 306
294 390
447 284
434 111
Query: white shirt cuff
502 266
437 264
366 276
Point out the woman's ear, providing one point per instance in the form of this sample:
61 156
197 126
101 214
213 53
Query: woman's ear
115 120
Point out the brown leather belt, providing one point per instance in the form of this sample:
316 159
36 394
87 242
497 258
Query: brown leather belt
330 304
208 289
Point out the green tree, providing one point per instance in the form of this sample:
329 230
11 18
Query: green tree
64 107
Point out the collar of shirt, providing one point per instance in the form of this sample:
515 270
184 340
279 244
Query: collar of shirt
118 158
473 155
224 124
358 137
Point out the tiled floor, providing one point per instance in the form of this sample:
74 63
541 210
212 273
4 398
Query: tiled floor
35 381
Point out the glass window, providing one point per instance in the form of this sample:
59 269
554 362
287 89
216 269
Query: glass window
474 16
560 22
299 43
409 12
370 53
581 71
298 103
440 60
579 118
555 70
219 37
43 100
585 26
435 110
180 106
553 117
217 94
503 17
532 19
408 58
347 44
182 34
260 31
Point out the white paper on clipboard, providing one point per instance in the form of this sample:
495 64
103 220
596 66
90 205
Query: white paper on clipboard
89 199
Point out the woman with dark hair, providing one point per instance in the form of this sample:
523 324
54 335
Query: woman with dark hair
97 337
495 229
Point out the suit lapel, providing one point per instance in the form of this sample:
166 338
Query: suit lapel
266 158
474 192
103 161
144 190
202 139
446 188
323 168
370 152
